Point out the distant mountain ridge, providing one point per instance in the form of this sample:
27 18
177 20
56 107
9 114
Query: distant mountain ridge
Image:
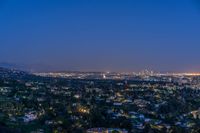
6 73
38 67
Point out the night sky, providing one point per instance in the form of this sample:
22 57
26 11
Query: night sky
101 35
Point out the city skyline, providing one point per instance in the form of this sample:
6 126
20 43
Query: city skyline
101 35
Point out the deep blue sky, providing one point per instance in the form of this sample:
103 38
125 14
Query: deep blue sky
116 35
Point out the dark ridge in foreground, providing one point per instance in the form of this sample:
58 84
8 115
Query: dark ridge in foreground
5 129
